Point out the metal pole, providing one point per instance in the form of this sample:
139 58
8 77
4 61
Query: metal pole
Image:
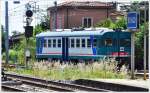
145 43
7 32
26 39
132 55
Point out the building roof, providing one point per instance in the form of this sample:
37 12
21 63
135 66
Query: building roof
92 4
86 32
117 13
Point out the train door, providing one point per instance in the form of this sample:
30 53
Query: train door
65 45
39 45
93 44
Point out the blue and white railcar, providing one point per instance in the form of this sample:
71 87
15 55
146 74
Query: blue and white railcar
83 45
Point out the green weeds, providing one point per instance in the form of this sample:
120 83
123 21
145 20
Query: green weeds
57 71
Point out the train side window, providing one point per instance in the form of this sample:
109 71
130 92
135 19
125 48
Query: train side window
125 42
54 42
59 43
45 43
77 43
88 43
72 43
108 42
49 42
83 42
94 42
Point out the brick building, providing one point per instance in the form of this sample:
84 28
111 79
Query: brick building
80 14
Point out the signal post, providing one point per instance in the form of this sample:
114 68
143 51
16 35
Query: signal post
28 32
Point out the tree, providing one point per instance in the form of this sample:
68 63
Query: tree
42 26
120 23
139 7
3 38
105 23
15 33
45 22
38 29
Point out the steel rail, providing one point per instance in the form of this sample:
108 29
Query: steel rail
50 83
10 88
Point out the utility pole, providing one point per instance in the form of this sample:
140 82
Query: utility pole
7 32
132 54
145 32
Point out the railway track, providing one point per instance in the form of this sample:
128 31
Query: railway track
53 85
12 88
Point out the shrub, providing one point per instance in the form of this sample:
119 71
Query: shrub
12 55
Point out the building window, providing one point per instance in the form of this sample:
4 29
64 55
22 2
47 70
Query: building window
108 42
72 43
45 43
87 22
49 43
83 43
59 43
88 43
54 42
77 43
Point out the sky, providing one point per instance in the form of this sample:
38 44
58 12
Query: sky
17 11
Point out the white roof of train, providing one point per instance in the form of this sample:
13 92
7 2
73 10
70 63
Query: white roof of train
69 32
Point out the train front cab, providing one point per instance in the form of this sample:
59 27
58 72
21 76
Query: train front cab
116 45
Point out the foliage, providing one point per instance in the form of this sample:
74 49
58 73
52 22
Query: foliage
17 54
121 23
15 33
57 71
43 25
12 54
139 44
45 22
38 29
3 38
106 23
139 7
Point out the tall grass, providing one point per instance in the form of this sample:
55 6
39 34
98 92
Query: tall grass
57 71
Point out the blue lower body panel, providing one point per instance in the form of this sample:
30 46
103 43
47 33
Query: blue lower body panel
69 57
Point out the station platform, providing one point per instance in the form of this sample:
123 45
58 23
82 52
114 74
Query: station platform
136 83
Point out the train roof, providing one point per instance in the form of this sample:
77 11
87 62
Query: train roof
69 32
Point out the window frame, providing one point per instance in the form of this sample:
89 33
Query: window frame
83 43
78 43
72 43
87 18
45 43
105 43
50 43
59 43
89 43
55 43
